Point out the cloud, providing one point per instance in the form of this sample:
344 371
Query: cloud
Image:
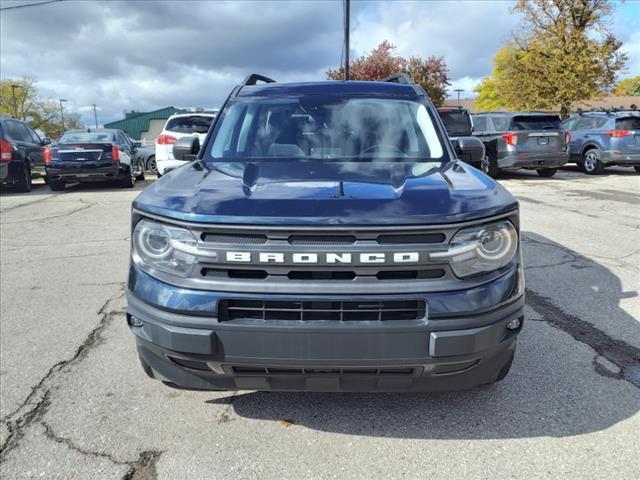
145 55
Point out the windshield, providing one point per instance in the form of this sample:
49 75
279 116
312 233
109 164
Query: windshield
325 127
189 124
456 122
86 137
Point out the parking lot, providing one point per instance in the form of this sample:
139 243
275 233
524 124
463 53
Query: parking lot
76 404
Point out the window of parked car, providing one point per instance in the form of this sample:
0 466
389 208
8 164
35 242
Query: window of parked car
17 131
500 124
35 138
326 128
535 122
589 123
87 137
189 124
628 123
479 124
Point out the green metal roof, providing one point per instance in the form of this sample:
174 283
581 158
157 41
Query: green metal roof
137 122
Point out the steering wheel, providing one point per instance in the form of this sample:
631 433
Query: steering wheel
384 147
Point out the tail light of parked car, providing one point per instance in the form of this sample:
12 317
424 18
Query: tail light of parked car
115 153
567 138
511 138
617 133
165 139
6 151
46 155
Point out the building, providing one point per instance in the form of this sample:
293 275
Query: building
144 126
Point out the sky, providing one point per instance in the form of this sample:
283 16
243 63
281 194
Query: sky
144 55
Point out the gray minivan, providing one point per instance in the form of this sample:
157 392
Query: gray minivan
600 139
514 140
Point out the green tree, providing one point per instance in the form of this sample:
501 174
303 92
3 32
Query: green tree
430 73
19 98
564 54
628 86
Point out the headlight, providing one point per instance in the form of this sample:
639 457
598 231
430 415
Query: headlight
480 249
164 247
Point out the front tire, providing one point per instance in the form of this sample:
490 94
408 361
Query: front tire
55 186
591 164
152 166
489 165
129 179
23 184
547 172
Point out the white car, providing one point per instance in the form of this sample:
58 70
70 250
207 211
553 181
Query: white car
178 126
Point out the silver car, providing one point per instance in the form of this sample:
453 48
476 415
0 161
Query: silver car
601 139
513 140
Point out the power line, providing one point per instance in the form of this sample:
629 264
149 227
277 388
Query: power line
25 5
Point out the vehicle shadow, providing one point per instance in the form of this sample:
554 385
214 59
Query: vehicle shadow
567 172
555 387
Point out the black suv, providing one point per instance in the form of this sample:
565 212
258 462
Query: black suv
21 153
457 122
514 140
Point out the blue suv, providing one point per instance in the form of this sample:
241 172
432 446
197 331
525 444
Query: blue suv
325 237
600 139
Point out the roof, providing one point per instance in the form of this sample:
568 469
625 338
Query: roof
513 114
136 123
612 113
91 130
330 87
192 114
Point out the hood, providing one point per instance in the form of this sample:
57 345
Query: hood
329 193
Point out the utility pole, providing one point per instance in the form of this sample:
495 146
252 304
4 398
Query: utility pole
346 39
95 114
458 91
15 102
62 112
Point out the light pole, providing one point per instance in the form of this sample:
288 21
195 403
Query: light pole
95 114
62 112
346 39
458 91
15 102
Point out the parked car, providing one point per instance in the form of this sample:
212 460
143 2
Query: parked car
147 157
457 122
92 155
531 140
601 139
21 153
178 126
327 238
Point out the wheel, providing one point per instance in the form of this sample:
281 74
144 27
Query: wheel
141 174
151 165
637 168
547 172
489 165
24 182
55 186
129 179
591 163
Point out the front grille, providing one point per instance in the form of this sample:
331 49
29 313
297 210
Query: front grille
368 372
335 311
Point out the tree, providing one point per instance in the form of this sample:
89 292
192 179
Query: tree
430 73
564 54
628 86
19 98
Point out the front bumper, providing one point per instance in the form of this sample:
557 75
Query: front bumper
533 160
445 351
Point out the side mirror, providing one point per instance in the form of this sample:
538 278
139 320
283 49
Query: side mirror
45 141
136 143
186 148
470 149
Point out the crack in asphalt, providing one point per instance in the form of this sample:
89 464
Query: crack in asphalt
143 468
37 402
53 217
626 357
26 204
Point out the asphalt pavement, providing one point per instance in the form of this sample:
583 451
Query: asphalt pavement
75 403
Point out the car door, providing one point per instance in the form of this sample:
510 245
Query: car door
125 147
36 154
580 134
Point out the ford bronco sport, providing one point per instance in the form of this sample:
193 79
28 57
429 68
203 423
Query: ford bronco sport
325 238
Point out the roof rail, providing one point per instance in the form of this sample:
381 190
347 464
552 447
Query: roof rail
399 78
255 78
